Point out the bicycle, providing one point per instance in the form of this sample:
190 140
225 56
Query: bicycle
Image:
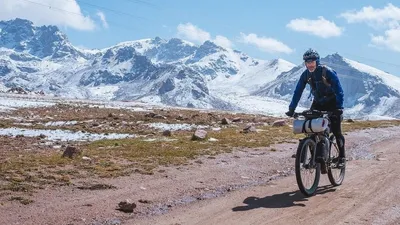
318 152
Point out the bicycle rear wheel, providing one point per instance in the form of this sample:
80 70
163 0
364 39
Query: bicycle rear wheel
307 170
335 174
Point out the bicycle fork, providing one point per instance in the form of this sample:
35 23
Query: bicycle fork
312 163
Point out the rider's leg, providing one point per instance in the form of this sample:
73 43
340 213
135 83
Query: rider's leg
336 126
315 105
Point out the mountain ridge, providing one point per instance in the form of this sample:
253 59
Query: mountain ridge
177 72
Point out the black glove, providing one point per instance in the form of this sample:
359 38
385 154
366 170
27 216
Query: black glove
290 113
338 112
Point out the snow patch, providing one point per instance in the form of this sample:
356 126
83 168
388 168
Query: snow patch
60 123
62 135
103 92
389 79
175 127
7 104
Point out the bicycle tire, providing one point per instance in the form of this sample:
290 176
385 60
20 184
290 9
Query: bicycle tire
298 167
335 179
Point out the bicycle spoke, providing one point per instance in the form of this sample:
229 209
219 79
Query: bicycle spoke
335 174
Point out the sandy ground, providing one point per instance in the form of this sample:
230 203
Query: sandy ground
248 186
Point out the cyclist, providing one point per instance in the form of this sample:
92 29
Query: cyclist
328 96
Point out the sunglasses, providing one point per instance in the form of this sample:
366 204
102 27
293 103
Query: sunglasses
310 60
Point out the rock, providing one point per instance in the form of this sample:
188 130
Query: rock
41 92
167 133
264 119
96 187
249 128
144 201
216 128
279 123
126 206
17 90
71 152
199 135
86 158
237 119
350 121
114 222
158 116
180 117
225 121
150 114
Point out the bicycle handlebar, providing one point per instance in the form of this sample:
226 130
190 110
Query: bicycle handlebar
313 112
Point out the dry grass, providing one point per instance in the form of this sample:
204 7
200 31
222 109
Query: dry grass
22 200
23 170
361 125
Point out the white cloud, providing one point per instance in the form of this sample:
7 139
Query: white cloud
391 40
61 13
320 27
389 16
379 18
102 18
192 33
223 41
265 44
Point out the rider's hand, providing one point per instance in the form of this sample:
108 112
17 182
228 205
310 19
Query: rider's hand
290 113
338 112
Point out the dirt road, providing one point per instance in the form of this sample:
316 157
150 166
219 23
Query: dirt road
369 195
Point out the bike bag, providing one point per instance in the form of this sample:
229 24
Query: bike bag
310 125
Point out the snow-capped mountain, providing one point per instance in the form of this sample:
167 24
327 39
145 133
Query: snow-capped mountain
368 91
45 41
176 72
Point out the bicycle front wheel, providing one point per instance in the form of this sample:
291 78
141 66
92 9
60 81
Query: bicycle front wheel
335 174
307 170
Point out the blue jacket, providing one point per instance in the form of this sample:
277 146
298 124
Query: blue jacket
321 92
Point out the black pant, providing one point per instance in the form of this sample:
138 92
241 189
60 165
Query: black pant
336 123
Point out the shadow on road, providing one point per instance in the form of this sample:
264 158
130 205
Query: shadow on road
283 200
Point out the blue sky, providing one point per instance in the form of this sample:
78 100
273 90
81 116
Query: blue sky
366 31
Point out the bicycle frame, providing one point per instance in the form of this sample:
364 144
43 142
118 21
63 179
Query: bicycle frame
316 134
318 137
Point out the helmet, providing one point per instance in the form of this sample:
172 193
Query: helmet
311 54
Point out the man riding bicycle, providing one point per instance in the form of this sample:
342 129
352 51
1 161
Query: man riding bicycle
328 95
